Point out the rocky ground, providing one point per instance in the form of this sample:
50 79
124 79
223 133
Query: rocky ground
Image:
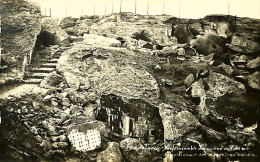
202 107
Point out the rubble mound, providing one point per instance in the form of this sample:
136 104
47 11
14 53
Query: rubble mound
107 70
126 90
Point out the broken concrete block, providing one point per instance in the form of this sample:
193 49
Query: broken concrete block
59 145
226 68
207 44
242 59
100 41
253 64
72 80
254 80
244 45
185 33
176 124
111 154
50 128
189 80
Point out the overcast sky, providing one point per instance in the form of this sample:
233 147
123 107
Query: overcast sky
188 8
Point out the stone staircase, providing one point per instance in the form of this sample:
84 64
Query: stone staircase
36 75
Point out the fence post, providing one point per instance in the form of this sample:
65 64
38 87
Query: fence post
148 7
228 8
30 56
120 6
135 7
163 8
112 6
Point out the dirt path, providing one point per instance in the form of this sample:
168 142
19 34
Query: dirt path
18 91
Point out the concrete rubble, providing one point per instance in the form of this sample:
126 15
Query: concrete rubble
112 153
176 123
128 87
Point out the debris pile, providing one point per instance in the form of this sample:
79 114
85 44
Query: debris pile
136 88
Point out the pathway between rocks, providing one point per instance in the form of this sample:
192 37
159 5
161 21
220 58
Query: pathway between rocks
36 75
18 91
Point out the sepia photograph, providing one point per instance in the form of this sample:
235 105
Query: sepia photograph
129 80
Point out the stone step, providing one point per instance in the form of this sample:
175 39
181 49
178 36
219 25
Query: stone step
51 65
38 75
53 61
59 51
32 81
56 56
241 78
43 70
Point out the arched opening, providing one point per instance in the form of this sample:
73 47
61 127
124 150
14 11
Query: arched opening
46 38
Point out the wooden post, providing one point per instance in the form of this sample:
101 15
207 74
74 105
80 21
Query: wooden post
50 11
112 6
228 9
148 8
202 25
120 6
45 12
179 10
135 7
163 8
30 56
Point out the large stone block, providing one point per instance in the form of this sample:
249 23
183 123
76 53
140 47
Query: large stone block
111 154
209 43
185 33
176 123
244 45
100 41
